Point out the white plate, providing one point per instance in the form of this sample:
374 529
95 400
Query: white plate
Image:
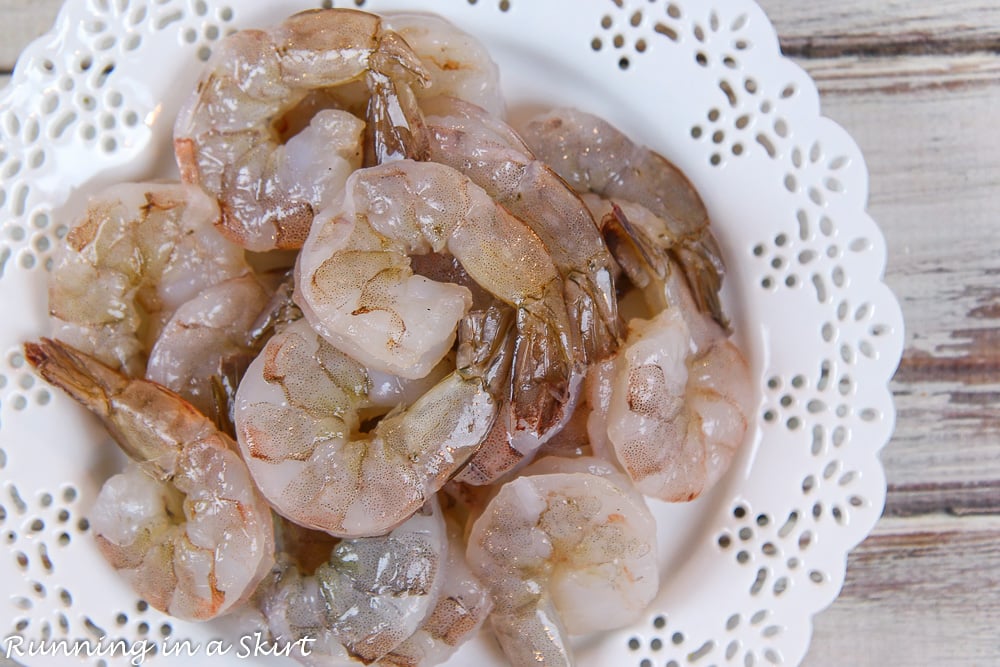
702 81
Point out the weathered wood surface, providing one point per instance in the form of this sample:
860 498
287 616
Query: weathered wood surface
885 27
917 84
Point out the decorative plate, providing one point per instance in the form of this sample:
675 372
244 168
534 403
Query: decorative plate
703 82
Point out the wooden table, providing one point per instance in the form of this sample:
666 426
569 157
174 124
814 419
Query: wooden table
917 84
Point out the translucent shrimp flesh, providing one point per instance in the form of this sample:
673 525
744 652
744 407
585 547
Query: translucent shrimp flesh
369 595
184 523
203 350
457 64
566 548
490 153
356 286
226 137
462 606
678 400
596 157
139 251
298 416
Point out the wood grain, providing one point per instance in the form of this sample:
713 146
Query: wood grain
918 592
885 27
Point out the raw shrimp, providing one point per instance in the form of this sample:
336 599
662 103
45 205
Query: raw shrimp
204 348
569 547
225 137
673 407
138 253
356 286
490 153
596 157
184 524
368 597
462 605
299 410
457 64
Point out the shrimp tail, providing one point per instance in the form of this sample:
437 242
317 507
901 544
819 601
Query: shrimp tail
641 256
593 315
395 128
144 418
486 347
701 262
87 381
545 375
634 251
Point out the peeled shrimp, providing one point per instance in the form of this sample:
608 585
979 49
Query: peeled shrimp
298 413
225 138
596 157
567 548
138 253
184 523
204 348
356 286
462 605
365 600
457 64
673 407
491 154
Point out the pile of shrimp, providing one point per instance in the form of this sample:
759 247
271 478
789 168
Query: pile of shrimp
370 360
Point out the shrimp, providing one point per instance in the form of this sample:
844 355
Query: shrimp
463 604
204 348
184 522
139 251
596 157
369 595
568 547
356 287
299 409
672 409
490 153
225 137
457 64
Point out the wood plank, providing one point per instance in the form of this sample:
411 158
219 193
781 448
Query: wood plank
919 592
925 126
23 21
881 27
